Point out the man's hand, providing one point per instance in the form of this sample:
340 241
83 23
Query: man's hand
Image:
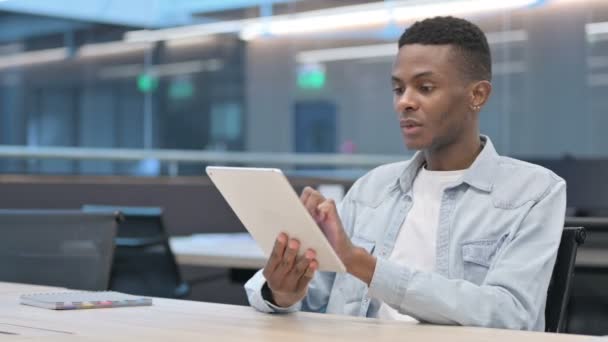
288 275
357 260
325 213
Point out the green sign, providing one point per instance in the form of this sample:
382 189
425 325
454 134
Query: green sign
311 76
147 83
313 80
181 90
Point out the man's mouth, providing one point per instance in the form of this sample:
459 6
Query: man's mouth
409 123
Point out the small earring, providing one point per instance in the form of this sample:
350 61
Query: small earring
476 108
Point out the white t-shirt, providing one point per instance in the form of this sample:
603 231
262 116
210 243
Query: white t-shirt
415 245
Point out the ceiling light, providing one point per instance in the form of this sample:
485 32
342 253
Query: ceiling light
390 50
380 14
345 17
110 49
33 57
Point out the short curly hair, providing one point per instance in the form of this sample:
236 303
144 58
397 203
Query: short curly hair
468 39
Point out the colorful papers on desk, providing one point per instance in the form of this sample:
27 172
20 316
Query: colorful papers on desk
72 300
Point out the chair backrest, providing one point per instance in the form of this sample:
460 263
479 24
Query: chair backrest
560 286
143 262
57 248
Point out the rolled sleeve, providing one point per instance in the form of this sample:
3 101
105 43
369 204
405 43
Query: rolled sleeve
389 282
253 288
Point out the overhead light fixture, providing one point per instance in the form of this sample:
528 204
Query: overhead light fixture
112 48
456 8
390 50
373 15
29 58
596 28
596 32
345 17
33 58
347 53
316 22
184 32
191 41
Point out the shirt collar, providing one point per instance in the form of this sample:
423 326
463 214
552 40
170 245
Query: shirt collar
479 175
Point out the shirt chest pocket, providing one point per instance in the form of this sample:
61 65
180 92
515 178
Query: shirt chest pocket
477 258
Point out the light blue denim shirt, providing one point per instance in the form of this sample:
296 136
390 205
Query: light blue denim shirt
497 239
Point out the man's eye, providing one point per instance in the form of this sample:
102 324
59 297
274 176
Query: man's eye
398 90
427 88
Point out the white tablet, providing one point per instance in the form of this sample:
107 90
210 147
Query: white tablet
267 205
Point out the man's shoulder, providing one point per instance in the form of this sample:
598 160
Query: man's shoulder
517 181
520 168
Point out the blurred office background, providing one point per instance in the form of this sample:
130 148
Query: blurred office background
162 88
238 76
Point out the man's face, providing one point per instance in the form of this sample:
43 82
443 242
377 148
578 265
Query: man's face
431 96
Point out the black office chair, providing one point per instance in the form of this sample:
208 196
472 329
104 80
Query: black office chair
560 286
66 248
588 307
143 261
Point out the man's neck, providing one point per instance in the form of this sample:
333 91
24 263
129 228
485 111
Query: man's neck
456 156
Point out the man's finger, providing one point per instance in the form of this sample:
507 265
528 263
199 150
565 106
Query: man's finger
289 257
308 275
306 193
292 278
302 266
311 204
276 255
327 209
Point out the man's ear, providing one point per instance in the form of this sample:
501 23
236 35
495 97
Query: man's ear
480 93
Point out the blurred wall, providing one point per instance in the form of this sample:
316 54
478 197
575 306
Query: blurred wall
542 105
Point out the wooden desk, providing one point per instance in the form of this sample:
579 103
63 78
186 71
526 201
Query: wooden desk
176 320
231 250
